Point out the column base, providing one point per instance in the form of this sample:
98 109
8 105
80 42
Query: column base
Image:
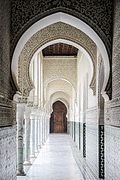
39 146
32 156
43 143
19 173
36 151
27 163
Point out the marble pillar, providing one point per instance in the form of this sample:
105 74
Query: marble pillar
32 136
36 134
48 125
27 138
44 126
39 130
20 119
43 129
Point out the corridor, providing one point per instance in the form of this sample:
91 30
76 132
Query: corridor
55 161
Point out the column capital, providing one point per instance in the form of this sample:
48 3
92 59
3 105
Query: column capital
35 106
29 104
32 116
18 98
22 100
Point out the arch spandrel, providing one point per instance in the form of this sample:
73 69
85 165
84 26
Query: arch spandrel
55 31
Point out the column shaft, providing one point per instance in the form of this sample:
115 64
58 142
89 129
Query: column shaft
32 137
36 134
42 129
20 118
40 136
27 140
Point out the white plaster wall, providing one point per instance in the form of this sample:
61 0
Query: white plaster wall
36 76
85 68
87 104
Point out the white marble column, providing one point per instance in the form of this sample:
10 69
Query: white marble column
48 124
44 126
39 132
43 129
20 119
27 136
36 134
32 135
45 121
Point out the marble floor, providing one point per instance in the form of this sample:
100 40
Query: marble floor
55 161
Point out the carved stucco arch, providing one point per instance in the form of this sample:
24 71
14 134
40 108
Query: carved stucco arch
62 86
63 101
58 79
62 96
57 96
55 31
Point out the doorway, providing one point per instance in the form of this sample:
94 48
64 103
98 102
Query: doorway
58 119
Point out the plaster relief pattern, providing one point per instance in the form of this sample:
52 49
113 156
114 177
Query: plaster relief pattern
60 69
116 52
112 152
66 89
8 153
7 112
56 31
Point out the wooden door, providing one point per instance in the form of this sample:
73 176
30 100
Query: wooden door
58 120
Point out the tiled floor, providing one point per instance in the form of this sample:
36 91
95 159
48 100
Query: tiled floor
55 161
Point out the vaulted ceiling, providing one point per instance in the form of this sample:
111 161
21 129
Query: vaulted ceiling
60 49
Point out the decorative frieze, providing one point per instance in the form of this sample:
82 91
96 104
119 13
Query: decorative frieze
101 151
84 140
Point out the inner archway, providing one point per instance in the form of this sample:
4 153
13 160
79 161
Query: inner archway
58 119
